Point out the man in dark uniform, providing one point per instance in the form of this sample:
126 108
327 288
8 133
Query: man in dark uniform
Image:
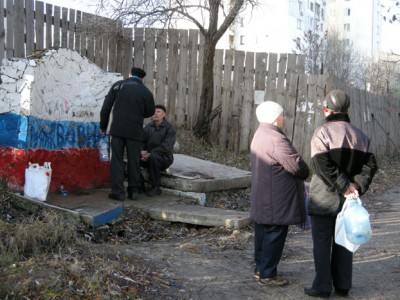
126 105
157 155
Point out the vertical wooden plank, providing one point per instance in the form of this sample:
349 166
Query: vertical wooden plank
300 64
271 77
300 117
182 78
237 100
64 28
71 29
112 62
290 113
49 25
308 107
291 68
259 85
128 52
138 48
2 32
217 74
199 77
161 66
78 32
98 43
30 26
248 101
90 26
226 99
281 72
39 25
320 96
192 76
10 29
56 28
149 55
172 70
105 45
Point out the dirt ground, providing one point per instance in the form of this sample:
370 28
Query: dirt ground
220 266
140 258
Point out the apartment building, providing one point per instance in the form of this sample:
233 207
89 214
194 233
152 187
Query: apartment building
274 26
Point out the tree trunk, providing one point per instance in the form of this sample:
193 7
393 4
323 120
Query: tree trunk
203 125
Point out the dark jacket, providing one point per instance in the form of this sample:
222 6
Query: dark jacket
340 154
129 101
161 140
278 171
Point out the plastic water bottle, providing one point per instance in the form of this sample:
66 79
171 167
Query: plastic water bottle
103 148
356 223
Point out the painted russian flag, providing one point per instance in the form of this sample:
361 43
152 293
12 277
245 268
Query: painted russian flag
49 111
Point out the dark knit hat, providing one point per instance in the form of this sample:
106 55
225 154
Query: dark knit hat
160 106
337 100
138 72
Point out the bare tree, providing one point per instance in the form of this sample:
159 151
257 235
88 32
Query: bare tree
342 60
312 46
212 18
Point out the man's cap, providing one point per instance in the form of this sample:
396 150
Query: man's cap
138 72
268 112
337 101
160 106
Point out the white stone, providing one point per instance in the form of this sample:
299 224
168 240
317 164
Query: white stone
6 79
10 87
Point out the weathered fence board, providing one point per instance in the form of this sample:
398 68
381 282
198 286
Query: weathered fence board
192 76
247 104
2 31
173 61
161 67
10 29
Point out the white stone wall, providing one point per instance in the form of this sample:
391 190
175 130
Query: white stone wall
58 85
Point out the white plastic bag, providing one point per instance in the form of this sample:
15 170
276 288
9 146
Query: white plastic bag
103 148
37 181
340 230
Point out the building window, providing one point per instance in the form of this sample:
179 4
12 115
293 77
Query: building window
347 12
300 6
322 14
346 42
241 21
242 40
346 27
298 24
317 10
298 41
312 6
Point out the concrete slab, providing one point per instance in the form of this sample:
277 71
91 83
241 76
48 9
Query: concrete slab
94 208
190 174
186 182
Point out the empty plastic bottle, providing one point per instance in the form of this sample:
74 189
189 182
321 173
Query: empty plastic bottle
103 148
356 223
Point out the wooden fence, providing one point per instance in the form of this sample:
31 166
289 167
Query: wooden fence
172 59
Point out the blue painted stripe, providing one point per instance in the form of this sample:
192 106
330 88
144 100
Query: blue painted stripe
33 133
13 130
108 217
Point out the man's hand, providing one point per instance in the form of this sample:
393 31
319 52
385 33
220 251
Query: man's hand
352 191
144 155
102 131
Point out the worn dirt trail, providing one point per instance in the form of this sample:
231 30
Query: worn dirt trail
220 266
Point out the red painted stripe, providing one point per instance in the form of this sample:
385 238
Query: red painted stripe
76 169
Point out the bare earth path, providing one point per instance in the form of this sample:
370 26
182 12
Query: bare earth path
218 266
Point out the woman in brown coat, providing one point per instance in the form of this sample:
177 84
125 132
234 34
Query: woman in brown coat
277 191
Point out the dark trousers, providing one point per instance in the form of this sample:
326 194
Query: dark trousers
117 172
155 164
333 263
268 247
